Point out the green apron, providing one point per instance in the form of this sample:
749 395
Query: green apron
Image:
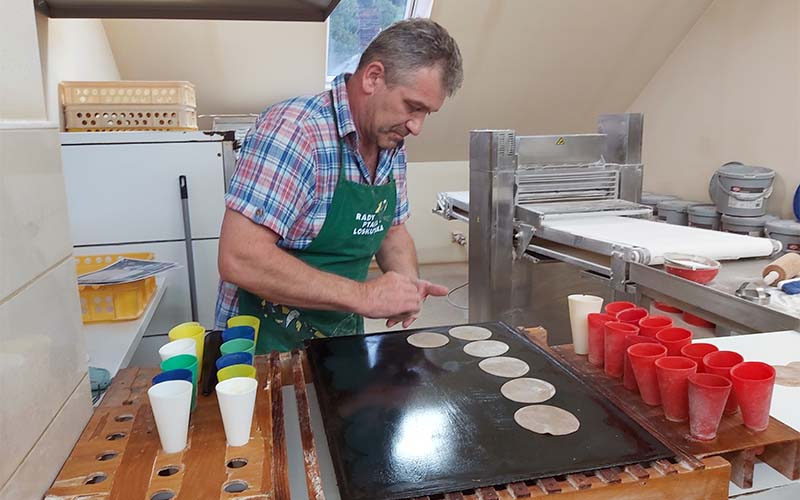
358 219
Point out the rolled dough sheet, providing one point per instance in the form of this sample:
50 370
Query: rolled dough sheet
428 340
528 390
546 419
659 238
486 348
504 366
470 333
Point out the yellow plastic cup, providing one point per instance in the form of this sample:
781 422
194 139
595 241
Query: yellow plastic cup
191 330
236 371
244 320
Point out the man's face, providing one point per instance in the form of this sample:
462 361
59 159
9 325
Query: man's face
400 109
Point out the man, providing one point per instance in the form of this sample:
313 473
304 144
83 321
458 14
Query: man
320 189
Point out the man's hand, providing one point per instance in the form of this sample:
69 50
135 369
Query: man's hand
390 295
425 288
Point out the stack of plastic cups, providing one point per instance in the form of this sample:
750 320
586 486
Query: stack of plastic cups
238 339
753 383
580 306
186 362
171 401
244 320
192 330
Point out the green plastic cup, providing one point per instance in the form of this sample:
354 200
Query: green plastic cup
236 371
188 362
238 345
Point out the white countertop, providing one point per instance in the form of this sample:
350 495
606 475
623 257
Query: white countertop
111 345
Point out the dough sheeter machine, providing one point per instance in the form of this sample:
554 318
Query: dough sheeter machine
558 214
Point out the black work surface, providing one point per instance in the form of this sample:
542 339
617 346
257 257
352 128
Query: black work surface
406 422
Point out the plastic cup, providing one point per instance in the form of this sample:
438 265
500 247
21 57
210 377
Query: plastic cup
663 306
720 363
632 316
643 361
239 332
615 333
234 358
180 346
238 345
672 374
614 308
171 401
651 325
707 396
597 337
696 320
192 330
580 306
628 379
237 399
674 339
234 371
696 352
753 382
244 320
177 374
187 361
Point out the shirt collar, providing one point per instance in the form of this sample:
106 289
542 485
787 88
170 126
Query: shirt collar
341 105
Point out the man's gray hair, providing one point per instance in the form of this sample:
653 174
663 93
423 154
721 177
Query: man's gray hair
412 44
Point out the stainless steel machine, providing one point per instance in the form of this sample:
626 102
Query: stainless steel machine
554 215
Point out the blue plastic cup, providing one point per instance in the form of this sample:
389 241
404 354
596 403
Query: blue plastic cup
239 332
176 374
235 358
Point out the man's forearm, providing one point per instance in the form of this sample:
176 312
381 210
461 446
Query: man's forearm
398 253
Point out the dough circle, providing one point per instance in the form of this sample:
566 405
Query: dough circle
504 366
528 390
546 419
470 333
427 340
486 348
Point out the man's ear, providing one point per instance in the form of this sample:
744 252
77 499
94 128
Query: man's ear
374 77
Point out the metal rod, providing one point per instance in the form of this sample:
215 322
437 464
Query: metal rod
187 235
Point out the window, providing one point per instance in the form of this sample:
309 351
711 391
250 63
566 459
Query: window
354 23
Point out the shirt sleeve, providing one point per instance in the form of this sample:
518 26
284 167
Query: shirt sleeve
401 213
274 179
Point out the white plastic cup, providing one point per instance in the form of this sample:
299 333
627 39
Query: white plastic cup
237 399
171 402
580 306
180 346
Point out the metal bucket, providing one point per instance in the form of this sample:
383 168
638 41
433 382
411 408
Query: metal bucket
653 199
704 216
751 226
785 231
675 211
741 190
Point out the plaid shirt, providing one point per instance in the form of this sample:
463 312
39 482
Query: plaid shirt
288 168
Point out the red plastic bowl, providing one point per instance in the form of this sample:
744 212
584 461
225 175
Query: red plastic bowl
691 267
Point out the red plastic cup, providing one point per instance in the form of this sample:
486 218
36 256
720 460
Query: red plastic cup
720 363
674 339
672 373
632 316
707 396
628 379
753 382
649 326
614 308
597 337
696 320
696 352
663 306
615 346
643 361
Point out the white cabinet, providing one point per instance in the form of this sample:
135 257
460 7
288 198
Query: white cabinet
123 196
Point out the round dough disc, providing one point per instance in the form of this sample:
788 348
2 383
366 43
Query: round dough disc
486 348
504 367
427 340
470 333
546 419
528 390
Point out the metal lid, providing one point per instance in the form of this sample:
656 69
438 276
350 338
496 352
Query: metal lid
784 226
759 221
675 205
704 210
736 170
653 199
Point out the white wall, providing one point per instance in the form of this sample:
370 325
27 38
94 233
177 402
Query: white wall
730 91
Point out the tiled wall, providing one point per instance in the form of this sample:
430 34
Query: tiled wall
43 381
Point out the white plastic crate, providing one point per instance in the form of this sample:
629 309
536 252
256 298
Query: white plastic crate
127 92
111 117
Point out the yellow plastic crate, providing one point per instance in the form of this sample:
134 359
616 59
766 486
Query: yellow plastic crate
127 92
122 302
119 117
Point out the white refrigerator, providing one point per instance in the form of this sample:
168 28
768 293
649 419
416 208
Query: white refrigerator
123 196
